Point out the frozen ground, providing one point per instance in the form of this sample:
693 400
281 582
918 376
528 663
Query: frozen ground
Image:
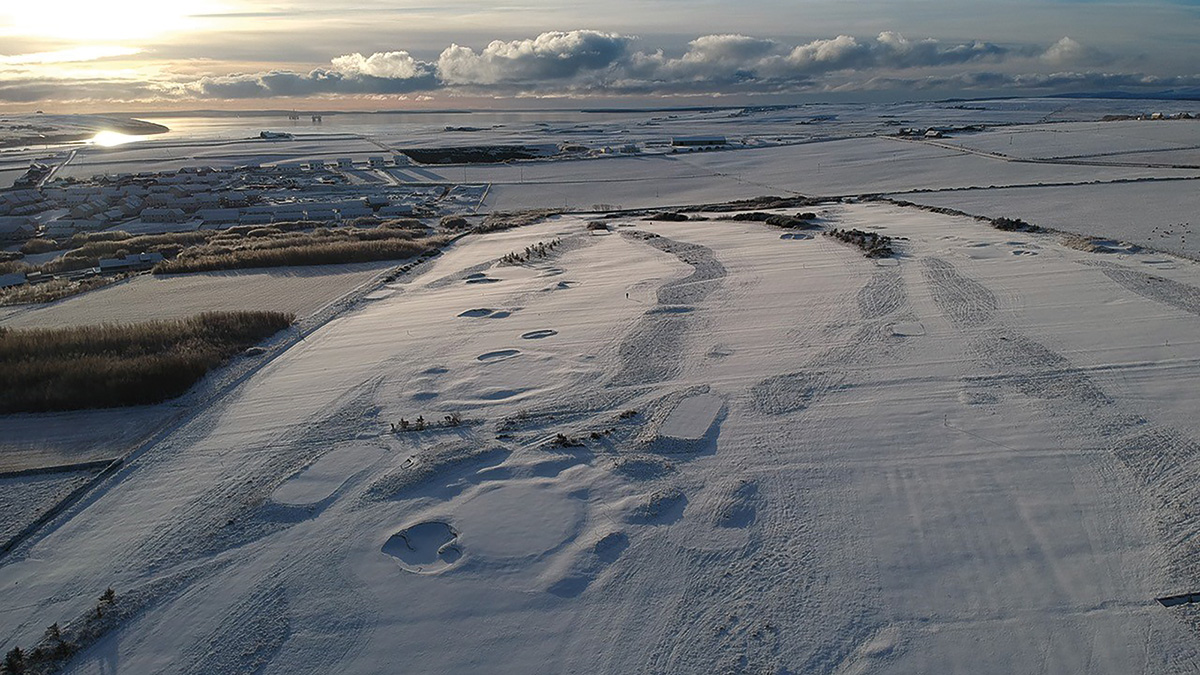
1162 215
299 290
23 497
683 447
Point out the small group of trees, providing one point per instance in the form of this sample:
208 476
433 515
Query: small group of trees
873 244
55 648
538 250
421 424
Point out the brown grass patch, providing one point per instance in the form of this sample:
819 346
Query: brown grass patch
118 365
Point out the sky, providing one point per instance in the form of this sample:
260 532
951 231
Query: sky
143 55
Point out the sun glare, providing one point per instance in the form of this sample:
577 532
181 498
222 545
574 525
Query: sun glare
108 139
91 21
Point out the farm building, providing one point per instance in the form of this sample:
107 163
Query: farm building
317 214
131 263
698 141
163 216
395 210
254 219
15 228
13 279
219 216
348 212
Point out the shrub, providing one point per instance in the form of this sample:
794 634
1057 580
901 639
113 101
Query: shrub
81 238
402 224
302 252
1013 225
55 289
46 369
454 222
10 266
668 216
873 244
36 246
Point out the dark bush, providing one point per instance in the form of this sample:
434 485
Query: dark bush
40 245
46 369
305 252
1013 225
668 216
873 244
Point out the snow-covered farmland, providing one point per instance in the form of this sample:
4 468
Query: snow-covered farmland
676 447
1091 140
1161 215
299 290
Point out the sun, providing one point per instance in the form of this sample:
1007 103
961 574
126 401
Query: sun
92 21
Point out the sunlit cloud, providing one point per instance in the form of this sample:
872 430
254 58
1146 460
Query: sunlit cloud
72 55
92 21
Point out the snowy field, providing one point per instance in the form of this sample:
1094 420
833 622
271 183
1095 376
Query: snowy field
148 297
682 447
1160 215
22 498
666 447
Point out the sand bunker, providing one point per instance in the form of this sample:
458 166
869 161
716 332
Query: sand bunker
321 480
425 548
516 520
691 419
499 355
908 329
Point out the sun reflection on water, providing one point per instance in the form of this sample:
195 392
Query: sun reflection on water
109 139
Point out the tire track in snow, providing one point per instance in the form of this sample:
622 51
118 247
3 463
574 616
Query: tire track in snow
1163 462
231 513
965 302
882 301
1159 289
653 349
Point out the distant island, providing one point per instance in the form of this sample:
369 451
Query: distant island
43 129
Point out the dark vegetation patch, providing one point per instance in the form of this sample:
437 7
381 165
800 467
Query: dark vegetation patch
47 369
56 289
479 154
800 221
671 217
1014 225
541 249
40 245
500 220
761 204
322 246
873 244
454 223
59 644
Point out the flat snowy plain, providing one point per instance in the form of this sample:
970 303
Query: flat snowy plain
684 447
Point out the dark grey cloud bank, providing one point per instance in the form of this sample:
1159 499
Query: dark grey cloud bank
595 63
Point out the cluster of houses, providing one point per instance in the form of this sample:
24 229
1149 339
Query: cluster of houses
16 209
134 262
198 197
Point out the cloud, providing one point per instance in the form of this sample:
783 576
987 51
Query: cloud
550 56
282 83
389 65
594 63
73 55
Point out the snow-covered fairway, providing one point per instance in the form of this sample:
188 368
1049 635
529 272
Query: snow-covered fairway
775 456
